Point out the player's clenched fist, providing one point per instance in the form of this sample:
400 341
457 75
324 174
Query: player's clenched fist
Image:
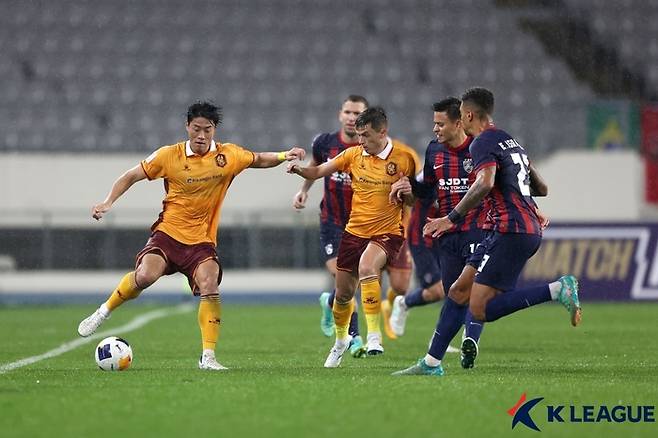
293 168
99 210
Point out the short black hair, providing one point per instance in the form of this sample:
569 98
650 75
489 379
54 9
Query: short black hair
205 109
375 117
450 106
357 98
482 98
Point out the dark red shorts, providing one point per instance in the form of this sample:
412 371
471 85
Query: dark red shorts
351 248
402 261
180 257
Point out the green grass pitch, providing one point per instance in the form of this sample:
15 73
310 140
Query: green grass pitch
276 385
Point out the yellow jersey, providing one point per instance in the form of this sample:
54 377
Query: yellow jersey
195 187
372 176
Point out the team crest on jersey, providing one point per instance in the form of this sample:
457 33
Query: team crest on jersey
329 249
220 159
391 168
468 165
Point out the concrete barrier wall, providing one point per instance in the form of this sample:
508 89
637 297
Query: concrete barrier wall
583 185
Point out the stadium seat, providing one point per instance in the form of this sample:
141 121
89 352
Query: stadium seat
123 67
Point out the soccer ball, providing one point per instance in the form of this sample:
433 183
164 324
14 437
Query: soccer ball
113 354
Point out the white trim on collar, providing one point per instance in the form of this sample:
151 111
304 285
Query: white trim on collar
385 152
189 152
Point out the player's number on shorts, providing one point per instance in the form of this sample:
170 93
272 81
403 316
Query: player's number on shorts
524 181
484 261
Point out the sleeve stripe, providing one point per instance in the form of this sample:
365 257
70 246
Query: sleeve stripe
144 169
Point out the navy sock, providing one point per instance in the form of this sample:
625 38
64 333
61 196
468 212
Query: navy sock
414 298
450 320
332 295
509 302
473 326
354 324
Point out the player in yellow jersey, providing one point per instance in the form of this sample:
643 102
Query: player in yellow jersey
399 269
374 233
197 174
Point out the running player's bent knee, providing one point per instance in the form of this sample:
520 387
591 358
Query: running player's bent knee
366 270
207 285
435 292
478 310
399 283
144 278
459 294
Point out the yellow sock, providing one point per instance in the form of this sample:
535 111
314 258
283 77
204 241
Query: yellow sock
390 296
126 290
342 314
370 298
210 311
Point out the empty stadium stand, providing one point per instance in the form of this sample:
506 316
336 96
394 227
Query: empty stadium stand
88 76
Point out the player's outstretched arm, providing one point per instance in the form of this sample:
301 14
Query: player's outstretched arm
299 201
313 172
120 186
538 186
272 159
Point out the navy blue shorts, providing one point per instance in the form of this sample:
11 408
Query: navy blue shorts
330 235
427 264
456 250
500 258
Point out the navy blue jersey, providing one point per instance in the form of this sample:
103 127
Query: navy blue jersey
450 172
512 207
337 199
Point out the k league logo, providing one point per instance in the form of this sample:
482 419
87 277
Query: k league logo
520 413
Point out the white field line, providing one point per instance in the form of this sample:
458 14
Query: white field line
136 323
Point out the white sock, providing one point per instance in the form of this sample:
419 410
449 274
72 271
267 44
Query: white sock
431 361
208 352
104 310
341 343
555 289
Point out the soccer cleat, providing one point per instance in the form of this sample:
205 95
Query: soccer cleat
374 344
398 315
336 354
327 324
568 297
207 361
357 349
469 353
89 325
386 314
421 369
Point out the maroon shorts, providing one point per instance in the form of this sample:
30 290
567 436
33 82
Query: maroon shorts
180 257
351 248
402 261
